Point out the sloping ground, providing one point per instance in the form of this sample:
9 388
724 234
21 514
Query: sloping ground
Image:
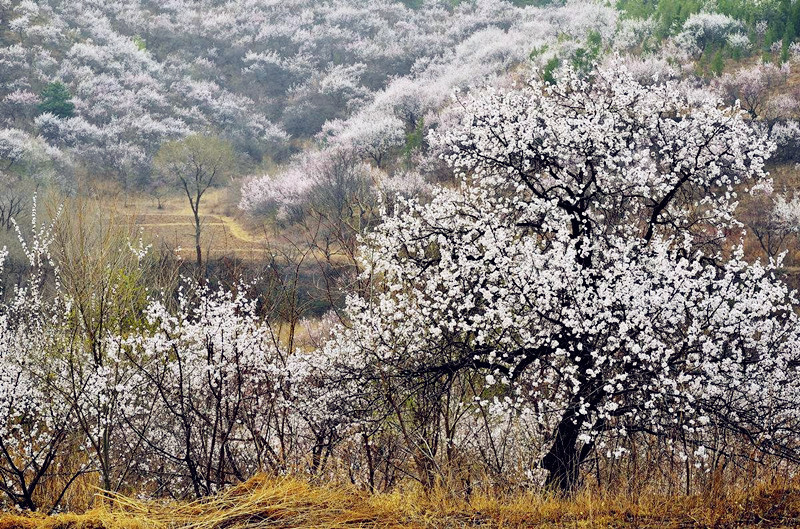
172 225
290 503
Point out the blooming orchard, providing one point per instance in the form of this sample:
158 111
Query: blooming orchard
537 241
255 72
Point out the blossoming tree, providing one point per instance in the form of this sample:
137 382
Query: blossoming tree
587 267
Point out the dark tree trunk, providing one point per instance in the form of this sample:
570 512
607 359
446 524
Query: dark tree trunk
197 241
563 460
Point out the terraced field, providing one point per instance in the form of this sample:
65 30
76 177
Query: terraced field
172 227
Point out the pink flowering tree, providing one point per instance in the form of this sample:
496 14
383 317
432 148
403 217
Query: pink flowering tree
752 87
775 221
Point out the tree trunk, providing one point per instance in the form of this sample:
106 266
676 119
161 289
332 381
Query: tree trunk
563 460
197 241
26 502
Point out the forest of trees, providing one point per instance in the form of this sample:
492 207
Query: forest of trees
506 244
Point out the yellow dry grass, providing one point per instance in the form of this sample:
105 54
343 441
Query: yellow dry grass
293 503
173 225
223 233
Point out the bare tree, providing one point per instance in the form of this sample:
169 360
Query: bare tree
196 164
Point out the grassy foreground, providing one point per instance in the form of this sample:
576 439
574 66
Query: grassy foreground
291 503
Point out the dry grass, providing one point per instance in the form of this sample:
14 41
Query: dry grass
225 231
172 225
221 235
292 503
